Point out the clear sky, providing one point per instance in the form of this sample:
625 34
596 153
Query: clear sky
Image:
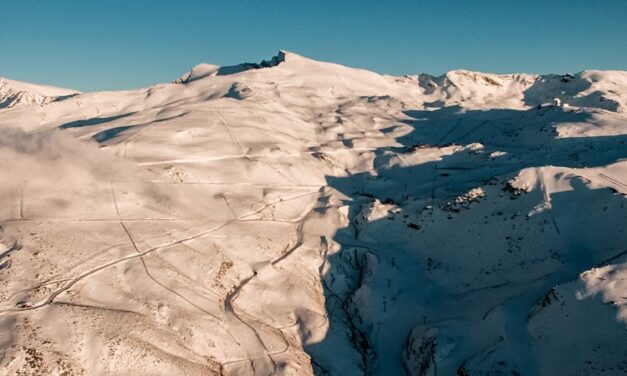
116 44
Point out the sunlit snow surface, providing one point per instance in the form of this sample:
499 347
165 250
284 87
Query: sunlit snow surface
295 217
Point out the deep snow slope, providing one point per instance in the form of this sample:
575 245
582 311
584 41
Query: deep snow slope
295 217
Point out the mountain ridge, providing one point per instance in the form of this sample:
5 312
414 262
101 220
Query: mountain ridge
303 217
590 88
14 93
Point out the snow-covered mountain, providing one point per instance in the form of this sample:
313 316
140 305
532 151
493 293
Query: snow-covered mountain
295 217
594 89
15 93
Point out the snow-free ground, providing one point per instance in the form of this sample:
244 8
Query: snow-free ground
295 217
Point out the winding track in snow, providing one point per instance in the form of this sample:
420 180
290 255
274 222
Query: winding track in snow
133 256
260 358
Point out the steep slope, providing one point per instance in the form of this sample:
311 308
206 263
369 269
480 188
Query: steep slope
296 217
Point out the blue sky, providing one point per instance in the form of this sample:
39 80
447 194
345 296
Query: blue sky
117 44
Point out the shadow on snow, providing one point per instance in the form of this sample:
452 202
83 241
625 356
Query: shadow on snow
450 275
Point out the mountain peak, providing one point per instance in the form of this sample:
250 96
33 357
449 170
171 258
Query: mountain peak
205 70
286 211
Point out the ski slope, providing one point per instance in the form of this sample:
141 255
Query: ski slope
296 217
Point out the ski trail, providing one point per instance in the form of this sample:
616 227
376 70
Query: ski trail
115 202
612 180
20 207
100 252
202 159
258 352
449 132
246 335
226 125
149 274
135 255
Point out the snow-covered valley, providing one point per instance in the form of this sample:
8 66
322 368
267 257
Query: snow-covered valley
298 217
